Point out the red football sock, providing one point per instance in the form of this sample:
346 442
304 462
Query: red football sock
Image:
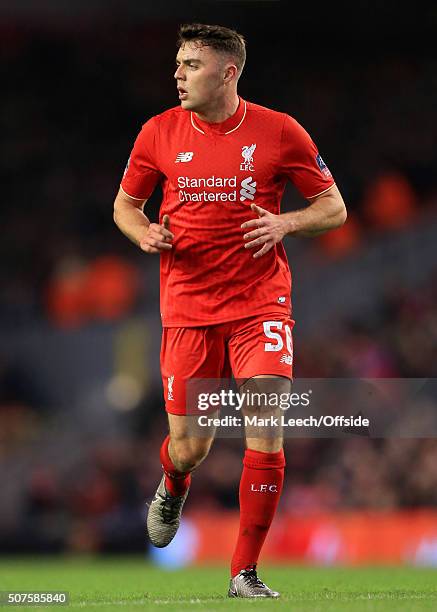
260 489
176 482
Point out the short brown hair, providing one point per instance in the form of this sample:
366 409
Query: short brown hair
222 39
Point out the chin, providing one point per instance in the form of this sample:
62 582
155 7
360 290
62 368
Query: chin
188 105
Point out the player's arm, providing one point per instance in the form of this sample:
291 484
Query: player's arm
140 177
131 220
326 211
301 163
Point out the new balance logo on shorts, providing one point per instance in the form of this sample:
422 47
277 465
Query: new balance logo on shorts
288 359
248 189
184 157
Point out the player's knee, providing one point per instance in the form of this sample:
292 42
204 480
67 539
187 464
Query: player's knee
189 453
264 444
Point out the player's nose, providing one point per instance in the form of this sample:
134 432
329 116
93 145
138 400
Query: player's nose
179 73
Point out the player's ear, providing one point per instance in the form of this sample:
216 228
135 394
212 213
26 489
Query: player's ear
230 72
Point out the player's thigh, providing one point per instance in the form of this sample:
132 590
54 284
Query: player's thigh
261 355
261 346
190 355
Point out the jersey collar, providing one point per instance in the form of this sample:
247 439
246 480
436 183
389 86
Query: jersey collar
225 127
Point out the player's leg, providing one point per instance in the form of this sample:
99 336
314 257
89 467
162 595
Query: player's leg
186 354
263 463
180 454
184 450
260 486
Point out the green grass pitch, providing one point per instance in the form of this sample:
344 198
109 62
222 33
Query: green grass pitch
132 584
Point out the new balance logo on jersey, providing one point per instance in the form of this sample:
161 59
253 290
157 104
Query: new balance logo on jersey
247 153
248 189
184 157
288 359
170 381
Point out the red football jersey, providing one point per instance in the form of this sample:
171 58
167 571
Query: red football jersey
210 175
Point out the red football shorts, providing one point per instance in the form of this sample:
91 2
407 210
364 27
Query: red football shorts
244 348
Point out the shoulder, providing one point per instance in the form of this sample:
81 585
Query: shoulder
155 125
262 113
169 116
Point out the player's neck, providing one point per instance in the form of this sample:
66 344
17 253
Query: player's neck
220 111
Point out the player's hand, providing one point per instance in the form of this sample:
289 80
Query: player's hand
269 229
158 237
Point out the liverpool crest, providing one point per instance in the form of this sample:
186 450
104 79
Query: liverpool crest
247 153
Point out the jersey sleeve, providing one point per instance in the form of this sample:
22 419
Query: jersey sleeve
142 173
301 162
